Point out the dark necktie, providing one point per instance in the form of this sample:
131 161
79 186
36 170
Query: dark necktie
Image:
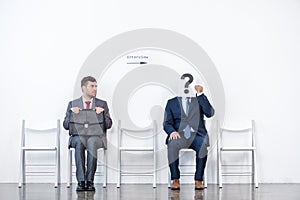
187 130
87 104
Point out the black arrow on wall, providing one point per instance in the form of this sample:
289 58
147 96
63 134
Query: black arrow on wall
141 63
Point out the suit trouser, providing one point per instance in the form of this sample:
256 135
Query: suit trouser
91 144
194 142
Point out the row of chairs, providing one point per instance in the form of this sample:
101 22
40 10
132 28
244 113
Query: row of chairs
41 145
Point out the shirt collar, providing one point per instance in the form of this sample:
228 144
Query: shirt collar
84 100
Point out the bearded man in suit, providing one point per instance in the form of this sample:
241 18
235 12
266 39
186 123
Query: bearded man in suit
91 143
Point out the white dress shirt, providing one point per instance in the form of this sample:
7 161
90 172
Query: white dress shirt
84 104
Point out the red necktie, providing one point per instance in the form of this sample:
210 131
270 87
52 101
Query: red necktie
87 104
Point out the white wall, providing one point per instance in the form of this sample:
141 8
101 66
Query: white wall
254 45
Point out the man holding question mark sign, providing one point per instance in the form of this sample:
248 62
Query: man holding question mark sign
184 123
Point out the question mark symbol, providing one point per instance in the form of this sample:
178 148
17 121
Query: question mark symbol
191 78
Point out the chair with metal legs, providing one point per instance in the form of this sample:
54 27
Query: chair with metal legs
38 140
188 173
136 134
249 133
100 164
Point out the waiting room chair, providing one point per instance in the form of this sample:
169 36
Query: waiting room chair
37 140
100 164
248 145
138 136
188 173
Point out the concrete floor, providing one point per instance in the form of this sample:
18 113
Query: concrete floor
145 191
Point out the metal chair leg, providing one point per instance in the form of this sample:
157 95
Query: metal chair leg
104 168
69 178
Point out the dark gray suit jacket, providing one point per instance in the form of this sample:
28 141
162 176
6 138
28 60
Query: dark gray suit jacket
96 103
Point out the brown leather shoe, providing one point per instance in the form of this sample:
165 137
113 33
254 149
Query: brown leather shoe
175 185
198 185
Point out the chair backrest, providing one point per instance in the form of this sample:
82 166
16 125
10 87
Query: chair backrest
43 137
239 134
137 138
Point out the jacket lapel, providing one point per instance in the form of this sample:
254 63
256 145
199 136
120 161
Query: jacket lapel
194 107
78 103
94 103
183 115
98 103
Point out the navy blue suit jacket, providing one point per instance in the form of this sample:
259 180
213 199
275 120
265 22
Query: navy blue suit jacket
176 120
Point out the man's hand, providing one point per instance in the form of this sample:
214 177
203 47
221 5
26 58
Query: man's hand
99 110
198 88
75 110
174 135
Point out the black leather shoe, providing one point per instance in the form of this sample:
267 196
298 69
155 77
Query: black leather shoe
81 186
90 186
